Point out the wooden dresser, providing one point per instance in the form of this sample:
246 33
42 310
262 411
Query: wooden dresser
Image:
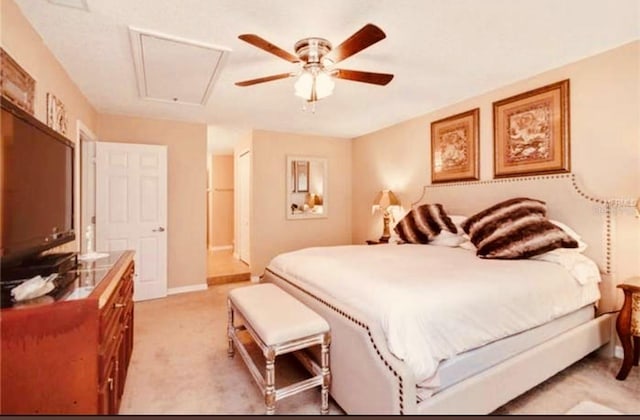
69 354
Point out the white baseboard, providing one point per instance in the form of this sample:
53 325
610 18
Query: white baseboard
618 352
220 248
255 279
186 289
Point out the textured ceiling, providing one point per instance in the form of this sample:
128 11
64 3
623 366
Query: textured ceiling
441 51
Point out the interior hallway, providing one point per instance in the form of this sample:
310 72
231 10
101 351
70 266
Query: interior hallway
223 268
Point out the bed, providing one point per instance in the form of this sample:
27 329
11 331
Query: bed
477 354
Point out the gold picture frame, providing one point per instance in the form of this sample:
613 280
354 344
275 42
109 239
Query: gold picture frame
56 114
454 147
15 83
531 132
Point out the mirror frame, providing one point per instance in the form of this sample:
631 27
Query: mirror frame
292 186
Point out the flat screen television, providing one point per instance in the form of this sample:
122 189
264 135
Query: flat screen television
36 198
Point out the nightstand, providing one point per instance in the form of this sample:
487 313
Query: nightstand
628 325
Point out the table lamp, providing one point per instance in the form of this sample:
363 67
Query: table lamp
383 201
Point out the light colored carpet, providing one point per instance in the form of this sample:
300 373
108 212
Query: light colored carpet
586 408
180 366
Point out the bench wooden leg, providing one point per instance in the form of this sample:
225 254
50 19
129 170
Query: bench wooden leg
326 374
270 389
230 328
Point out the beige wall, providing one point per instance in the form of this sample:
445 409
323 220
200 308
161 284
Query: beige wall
222 192
187 144
271 232
24 45
605 145
187 183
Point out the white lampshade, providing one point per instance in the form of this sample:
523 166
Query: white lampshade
324 85
304 86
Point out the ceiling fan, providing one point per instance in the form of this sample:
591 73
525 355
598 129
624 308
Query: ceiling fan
317 57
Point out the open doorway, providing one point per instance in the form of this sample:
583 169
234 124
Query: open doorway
222 265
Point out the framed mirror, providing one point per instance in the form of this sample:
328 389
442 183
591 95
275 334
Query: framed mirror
306 187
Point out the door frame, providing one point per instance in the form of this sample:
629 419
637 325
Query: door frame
239 240
83 135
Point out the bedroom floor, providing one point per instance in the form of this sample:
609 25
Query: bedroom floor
180 366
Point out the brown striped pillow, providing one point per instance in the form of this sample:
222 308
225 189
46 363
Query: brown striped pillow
424 223
515 228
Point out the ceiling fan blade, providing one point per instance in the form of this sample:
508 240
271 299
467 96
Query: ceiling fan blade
364 76
264 79
364 38
263 44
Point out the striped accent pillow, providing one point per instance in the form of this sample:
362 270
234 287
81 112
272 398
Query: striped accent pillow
515 228
424 223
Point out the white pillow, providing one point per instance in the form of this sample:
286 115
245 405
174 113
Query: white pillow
581 244
468 245
458 220
446 238
394 238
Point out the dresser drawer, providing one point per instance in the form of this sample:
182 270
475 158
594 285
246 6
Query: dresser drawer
108 348
113 310
111 313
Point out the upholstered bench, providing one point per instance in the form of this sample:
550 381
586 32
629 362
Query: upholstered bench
279 324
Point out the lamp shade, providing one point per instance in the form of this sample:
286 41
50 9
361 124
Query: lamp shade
324 85
384 199
303 85
311 81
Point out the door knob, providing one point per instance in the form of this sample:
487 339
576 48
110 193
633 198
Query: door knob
160 229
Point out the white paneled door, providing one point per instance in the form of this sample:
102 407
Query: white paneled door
131 210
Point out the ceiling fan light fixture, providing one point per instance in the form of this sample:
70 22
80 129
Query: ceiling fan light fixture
314 85
303 85
316 80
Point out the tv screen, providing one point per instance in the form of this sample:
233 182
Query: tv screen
37 186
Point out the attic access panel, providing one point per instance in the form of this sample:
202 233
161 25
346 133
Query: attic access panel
177 70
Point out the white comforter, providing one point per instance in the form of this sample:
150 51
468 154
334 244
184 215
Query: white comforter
435 302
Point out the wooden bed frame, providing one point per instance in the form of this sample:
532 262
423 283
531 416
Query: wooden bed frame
368 379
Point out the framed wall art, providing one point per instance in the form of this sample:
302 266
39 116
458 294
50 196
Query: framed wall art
56 114
15 83
531 132
454 147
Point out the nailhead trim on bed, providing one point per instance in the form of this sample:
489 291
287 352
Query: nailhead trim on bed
574 183
608 229
360 324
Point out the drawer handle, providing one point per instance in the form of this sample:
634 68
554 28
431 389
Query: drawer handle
119 305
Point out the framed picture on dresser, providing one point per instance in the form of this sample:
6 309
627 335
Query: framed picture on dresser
531 132
454 147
